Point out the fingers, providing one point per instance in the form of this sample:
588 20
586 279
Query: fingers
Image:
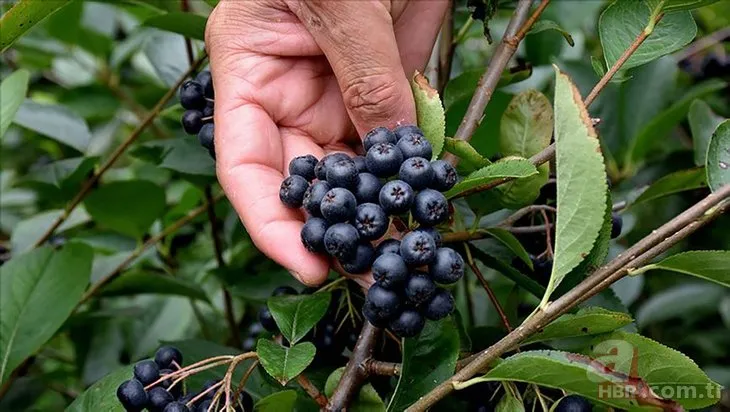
416 31
358 40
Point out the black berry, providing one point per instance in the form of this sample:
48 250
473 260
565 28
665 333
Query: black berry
384 159
146 371
158 399
389 270
284 290
267 319
313 197
373 315
419 288
440 305
417 172
414 145
378 135
367 188
341 240
192 95
192 121
342 173
444 175
388 246
132 395
320 170
206 80
206 136
385 303
573 403
313 234
408 324
371 221
360 163
204 406
542 267
244 403
176 407
430 207
292 191
417 249
407 130
617 224
433 232
447 267
396 197
338 205
361 261
176 390
166 355
303 166
208 111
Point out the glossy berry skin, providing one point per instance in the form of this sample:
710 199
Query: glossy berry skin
371 221
342 173
430 207
313 196
158 399
338 205
192 121
419 288
407 130
291 192
388 246
617 224
245 402
206 80
414 145
573 403
396 197
146 372
440 306
176 407
444 175
373 315
386 303
360 164
341 240
434 233
320 170
132 395
390 271
192 95
313 234
166 355
447 267
417 249
367 188
378 135
267 319
361 261
542 267
208 111
206 136
417 172
408 324
384 159
303 166
284 290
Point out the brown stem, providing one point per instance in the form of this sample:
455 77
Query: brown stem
136 133
312 390
638 255
519 214
355 374
374 367
492 297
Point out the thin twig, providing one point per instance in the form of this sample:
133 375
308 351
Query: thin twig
379 368
703 43
487 288
519 214
354 374
312 390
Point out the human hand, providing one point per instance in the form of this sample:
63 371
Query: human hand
306 77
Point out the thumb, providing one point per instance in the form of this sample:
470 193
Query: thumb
359 42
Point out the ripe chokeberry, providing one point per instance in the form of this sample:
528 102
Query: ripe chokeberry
303 166
396 197
430 207
132 395
206 136
419 288
208 111
367 188
617 224
417 249
338 205
192 95
204 406
292 191
371 221
447 267
313 234
384 159
206 80
360 163
573 403
385 303
342 173
388 246
192 121
176 390
341 240
417 172
361 261
407 130
267 319
146 371
244 403
320 170
313 196
389 270
444 175
158 399
176 407
371 313
433 232
378 135
167 356
440 306
414 145
408 324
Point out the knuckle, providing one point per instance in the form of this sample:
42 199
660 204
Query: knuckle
374 97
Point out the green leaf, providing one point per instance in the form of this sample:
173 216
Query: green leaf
29 231
466 152
284 364
188 24
30 285
509 240
277 402
543 25
430 112
581 182
13 90
676 182
525 130
102 396
367 399
507 167
61 172
56 122
679 302
588 321
428 360
622 22
511 401
296 315
702 123
463 85
661 367
672 5
183 154
139 283
712 265
22 16
128 207
718 157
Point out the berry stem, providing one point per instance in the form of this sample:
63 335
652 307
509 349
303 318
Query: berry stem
203 394
218 360
492 297
312 390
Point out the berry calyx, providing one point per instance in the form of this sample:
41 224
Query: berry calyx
390 271
340 241
371 221
444 175
320 170
396 197
419 288
384 159
430 207
417 249
338 205
417 172
342 173
378 135
414 145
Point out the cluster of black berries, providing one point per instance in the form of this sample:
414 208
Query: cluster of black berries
150 389
196 96
349 206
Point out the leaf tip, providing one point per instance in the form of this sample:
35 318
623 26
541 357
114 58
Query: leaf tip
421 83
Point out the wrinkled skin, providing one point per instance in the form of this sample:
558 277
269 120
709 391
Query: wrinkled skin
294 78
